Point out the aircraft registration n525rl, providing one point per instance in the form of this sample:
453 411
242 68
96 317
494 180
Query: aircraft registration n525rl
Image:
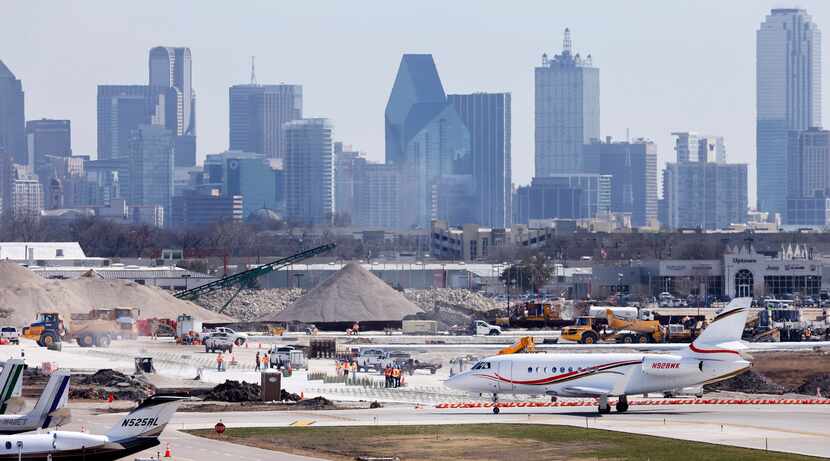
715 355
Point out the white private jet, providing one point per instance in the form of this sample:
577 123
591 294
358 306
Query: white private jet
135 432
10 377
715 355
48 411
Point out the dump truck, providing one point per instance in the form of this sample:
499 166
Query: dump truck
95 328
590 330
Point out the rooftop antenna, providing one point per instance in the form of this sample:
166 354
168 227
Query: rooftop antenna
253 70
567 44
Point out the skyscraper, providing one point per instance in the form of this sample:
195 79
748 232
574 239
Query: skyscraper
309 171
345 171
121 109
633 170
693 147
808 185
788 96
487 117
425 138
151 168
257 114
567 110
48 137
376 201
173 101
6 179
12 116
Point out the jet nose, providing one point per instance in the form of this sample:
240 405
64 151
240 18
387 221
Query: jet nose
456 382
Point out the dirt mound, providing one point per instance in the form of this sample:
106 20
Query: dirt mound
352 294
23 294
819 381
234 391
101 384
316 403
749 382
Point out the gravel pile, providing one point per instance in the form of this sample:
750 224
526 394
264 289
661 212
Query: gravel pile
240 391
456 298
819 381
750 382
101 384
23 294
250 305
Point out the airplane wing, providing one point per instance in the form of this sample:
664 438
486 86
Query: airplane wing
587 391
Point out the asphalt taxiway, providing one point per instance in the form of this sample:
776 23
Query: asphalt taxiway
784 428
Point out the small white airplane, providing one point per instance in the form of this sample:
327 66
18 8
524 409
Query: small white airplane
10 378
48 411
135 432
714 356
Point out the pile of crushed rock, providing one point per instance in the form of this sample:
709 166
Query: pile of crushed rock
106 382
250 304
753 382
453 298
240 392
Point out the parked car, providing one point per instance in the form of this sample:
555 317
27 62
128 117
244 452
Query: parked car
239 338
280 355
10 334
219 341
370 359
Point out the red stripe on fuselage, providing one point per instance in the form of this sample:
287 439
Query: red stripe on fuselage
712 351
565 376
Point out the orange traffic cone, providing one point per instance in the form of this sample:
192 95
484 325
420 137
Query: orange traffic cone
167 453
302 395
110 398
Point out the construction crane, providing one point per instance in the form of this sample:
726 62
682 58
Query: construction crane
242 279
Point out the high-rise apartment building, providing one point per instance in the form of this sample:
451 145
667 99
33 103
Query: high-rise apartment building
309 165
346 162
27 197
250 176
172 99
694 147
121 109
633 170
808 182
257 114
47 137
700 190
566 110
425 139
152 155
376 202
788 96
487 117
566 196
12 116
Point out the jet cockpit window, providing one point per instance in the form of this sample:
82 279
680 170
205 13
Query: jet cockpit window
481 366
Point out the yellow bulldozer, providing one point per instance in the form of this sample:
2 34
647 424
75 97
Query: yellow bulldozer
525 344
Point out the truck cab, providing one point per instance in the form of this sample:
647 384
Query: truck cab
482 328
583 331
48 328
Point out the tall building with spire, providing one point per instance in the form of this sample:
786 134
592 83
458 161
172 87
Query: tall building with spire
788 96
12 117
566 110
173 101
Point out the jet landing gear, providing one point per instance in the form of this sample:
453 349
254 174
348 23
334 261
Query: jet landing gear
622 404
604 407
495 401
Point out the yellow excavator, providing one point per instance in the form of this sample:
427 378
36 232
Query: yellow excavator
525 344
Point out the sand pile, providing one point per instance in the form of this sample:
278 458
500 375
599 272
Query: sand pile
352 294
23 294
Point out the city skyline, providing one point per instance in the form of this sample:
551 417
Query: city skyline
641 87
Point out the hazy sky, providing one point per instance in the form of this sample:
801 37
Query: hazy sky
664 65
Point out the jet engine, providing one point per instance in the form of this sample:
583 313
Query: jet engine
670 365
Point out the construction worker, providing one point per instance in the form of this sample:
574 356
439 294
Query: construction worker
395 377
256 366
220 359
354 368
387 374
337 367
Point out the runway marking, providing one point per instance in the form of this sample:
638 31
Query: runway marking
728 425
302 423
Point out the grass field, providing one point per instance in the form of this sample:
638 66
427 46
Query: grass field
516 442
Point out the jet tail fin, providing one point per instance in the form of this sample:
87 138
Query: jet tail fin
147 420
10 379
54 397
723 335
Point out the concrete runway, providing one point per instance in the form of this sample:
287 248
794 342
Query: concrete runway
787 428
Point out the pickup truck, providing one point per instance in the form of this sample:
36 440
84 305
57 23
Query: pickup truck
10 334
370 359
218 341
238 338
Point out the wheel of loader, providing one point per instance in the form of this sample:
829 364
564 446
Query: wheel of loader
103 341
642 339
86 340
628 339
239 341
46 340
588 338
